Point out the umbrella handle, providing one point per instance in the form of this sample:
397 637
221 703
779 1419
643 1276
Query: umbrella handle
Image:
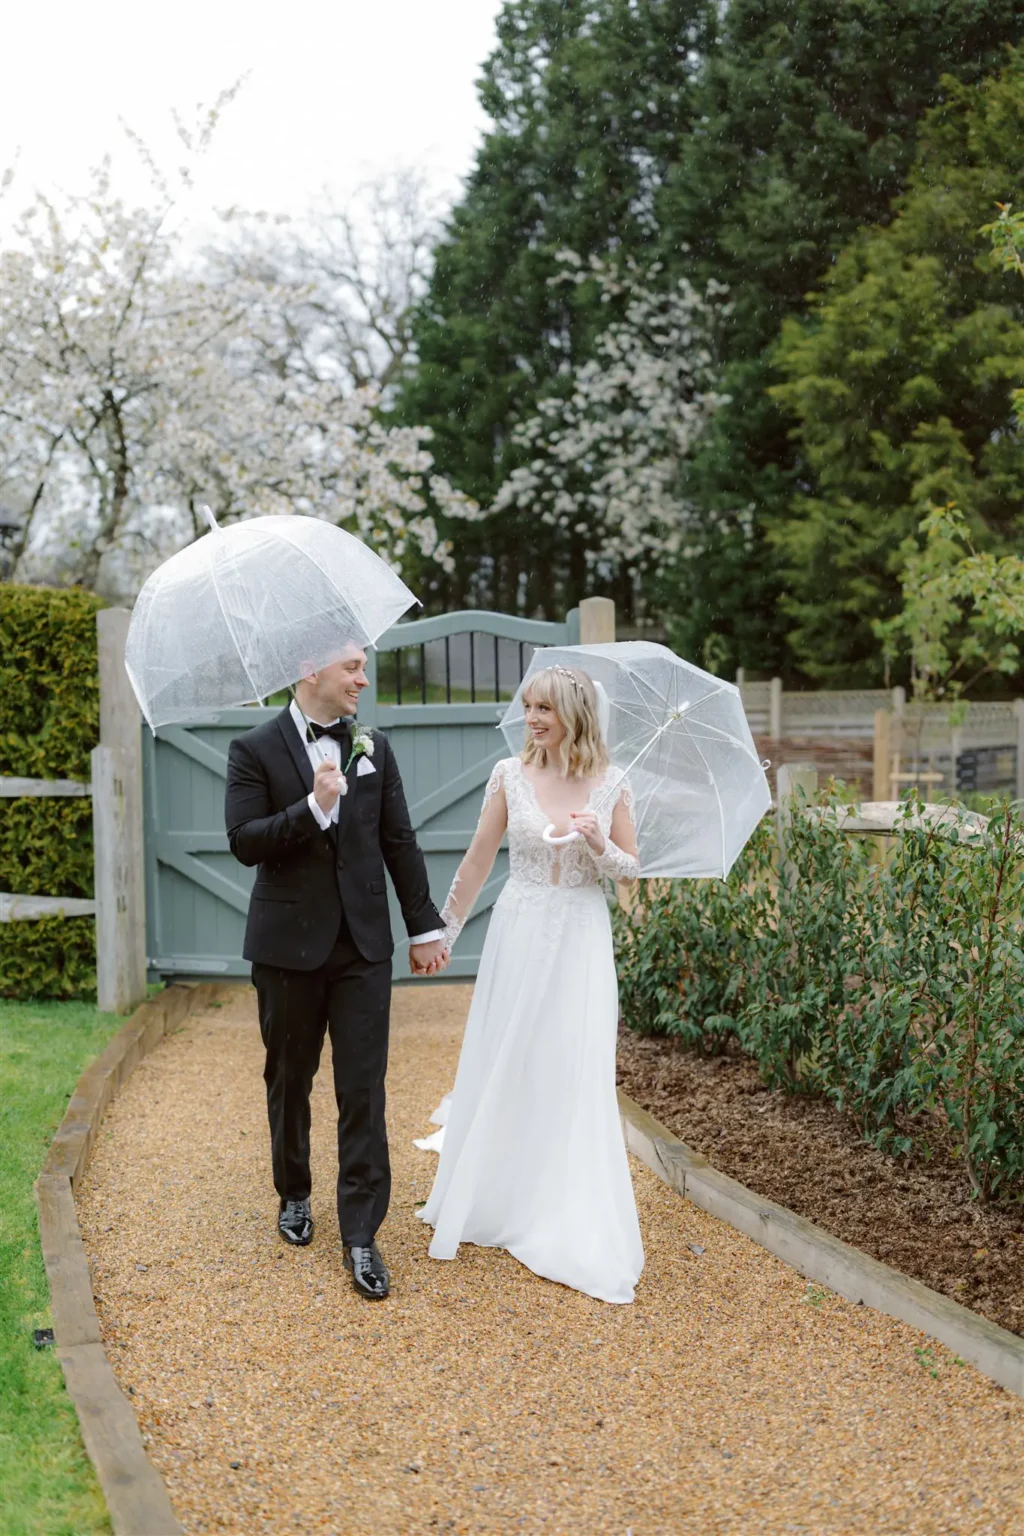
550 837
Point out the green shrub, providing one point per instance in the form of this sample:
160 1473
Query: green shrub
49 723
893 987
49 957
681 949
46 847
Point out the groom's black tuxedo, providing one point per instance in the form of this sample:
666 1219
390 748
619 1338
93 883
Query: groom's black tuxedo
319 937
309 881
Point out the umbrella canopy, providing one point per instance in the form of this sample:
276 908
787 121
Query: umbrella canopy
248 609
681 737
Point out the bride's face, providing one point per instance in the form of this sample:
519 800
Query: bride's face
544 726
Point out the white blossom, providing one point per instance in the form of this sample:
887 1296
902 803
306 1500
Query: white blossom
134 387
608 456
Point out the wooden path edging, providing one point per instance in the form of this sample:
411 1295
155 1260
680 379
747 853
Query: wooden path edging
994 1351
133 1488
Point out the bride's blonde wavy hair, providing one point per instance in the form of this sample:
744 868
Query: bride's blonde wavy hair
571 694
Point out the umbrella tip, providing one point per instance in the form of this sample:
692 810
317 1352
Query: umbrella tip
208 514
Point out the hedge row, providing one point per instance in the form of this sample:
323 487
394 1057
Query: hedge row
895 988
49 724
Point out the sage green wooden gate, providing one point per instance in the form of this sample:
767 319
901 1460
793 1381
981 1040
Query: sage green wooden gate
437 689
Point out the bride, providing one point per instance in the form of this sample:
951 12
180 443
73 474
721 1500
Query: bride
532 1156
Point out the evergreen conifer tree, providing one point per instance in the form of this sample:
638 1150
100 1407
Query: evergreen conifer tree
902 381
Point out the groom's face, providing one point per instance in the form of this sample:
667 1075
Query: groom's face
339 685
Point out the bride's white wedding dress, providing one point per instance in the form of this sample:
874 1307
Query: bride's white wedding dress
532 1152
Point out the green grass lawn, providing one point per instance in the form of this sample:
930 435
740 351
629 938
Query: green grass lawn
47 1485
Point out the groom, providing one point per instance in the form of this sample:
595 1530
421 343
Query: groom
319 938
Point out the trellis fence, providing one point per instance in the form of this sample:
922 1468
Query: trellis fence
909 743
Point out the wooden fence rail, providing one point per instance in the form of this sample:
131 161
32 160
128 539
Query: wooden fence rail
17 789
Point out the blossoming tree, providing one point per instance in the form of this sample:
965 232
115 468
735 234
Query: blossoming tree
135 385
609 450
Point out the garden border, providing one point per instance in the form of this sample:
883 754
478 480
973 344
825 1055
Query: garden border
994 1351
136 1497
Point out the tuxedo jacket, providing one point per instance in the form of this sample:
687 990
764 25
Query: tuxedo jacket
308 880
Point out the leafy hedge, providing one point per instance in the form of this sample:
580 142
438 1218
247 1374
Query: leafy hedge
49 723
893 987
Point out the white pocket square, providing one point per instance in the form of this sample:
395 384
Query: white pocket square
364 766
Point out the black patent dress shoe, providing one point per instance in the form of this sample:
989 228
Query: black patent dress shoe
370 1277
295 1223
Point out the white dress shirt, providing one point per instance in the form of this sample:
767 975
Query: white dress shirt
317 751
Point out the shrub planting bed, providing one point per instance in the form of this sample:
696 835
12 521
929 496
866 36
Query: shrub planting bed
845 1034
917 1216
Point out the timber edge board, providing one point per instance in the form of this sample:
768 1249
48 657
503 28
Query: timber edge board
994 1351
137 1500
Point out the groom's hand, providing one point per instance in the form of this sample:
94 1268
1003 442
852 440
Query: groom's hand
328 783
428 959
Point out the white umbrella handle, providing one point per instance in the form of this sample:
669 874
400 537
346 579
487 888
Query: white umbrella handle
549 835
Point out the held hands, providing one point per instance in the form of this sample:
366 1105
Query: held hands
586 823
428 959
328 784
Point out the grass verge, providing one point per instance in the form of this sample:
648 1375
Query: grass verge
47 1484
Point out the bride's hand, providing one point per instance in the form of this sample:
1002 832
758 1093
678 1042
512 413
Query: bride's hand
586 822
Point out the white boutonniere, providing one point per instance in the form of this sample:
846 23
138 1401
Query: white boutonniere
362 745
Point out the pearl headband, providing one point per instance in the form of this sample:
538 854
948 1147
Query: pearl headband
564 672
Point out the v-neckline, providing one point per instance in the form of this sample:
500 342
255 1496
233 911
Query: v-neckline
536 798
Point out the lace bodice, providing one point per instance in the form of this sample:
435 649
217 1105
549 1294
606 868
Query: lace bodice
532 861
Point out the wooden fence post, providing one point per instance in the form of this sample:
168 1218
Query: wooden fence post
882 766
956 746
775 710
790 780
120 896
597 621
117 827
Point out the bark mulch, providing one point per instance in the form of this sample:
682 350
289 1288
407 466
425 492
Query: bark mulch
917 1216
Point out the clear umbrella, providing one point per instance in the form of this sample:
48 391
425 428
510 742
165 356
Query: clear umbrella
681 737
247 610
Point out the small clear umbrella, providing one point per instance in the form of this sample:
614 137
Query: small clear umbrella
247 610
681 737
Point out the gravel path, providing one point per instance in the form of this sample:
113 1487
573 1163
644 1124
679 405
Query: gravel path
730 1398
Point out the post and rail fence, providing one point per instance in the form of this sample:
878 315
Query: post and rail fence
115 789
876 739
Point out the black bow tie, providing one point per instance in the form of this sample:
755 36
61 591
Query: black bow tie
337 731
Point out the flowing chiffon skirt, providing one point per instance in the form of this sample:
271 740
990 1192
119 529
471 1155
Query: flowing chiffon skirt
532 1155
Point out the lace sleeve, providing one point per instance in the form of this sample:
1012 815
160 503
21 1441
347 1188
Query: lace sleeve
620 861
476 866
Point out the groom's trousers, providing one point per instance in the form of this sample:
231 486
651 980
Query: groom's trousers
350 997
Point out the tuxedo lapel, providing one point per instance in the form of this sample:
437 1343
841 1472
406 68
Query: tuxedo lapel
296 750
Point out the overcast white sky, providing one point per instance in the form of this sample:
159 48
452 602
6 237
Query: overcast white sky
339 91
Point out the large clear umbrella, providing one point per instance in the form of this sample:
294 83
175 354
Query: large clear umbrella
247 610
681 738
